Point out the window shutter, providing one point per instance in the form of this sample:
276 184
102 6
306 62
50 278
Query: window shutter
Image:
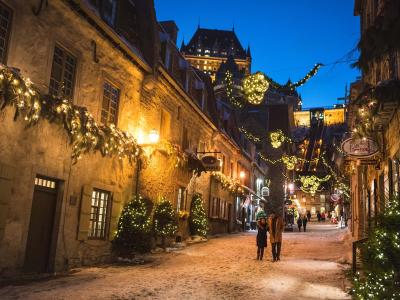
6 176
115 213
84 214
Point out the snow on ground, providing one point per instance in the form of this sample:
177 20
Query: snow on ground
222 268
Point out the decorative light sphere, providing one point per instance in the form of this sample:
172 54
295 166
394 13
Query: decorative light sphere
254 87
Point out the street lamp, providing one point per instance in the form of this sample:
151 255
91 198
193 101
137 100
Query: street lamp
242 174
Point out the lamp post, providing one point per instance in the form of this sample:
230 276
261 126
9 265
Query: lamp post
153 138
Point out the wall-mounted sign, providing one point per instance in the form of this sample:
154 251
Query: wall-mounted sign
366 162
336 197
265 191
211 163
361 148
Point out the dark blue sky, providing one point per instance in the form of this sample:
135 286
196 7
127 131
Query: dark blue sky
286 37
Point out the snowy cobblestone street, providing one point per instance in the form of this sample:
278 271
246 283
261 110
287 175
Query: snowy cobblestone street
223 268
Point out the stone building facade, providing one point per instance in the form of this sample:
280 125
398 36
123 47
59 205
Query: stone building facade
372 185
55 214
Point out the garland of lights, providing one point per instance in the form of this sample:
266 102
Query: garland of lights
174 152
229 87
229 184
308 76
249 135
311 183
84 133
254 87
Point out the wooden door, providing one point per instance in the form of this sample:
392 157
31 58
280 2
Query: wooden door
41 226
230 223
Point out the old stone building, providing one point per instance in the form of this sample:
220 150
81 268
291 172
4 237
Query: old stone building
374 113
124 67
209 48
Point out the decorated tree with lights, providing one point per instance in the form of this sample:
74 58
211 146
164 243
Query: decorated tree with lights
198 220
134 228
381 258
165 220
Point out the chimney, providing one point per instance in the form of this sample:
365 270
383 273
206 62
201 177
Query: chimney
171 29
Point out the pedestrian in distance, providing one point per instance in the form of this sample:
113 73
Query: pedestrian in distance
275 228
318 216
299 223
308 216
304 220
261 236
323 217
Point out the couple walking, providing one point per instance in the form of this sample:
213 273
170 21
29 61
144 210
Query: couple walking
274 224
302 221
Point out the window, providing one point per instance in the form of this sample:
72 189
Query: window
214 208
46 183
185 139
5 29
231 169
99 214
109 109
165 125
223 210
181 200
62 73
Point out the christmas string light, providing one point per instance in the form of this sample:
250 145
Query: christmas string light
278 138
311 183
249 135
165 219
230 92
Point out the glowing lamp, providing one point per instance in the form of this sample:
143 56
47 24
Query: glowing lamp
242 174
154 136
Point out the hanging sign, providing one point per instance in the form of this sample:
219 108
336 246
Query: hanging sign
265 191
211 163
335 197
361 148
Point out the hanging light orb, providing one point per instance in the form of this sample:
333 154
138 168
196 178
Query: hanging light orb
254 87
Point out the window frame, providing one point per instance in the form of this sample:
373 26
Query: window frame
70 53
107 218
181 200
105 81
7 38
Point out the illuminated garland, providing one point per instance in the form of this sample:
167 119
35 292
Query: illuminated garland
278 138
229 184
229 87
309 75
249 135
338 180
310 184
84 133
254 87
267 159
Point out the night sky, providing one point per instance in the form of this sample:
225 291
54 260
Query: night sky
287 37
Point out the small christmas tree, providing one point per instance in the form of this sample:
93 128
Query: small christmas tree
381 258
165 220
198 220
134 228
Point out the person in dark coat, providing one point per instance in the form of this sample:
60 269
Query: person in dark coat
318 216
304 223
308 216
299 223
261 237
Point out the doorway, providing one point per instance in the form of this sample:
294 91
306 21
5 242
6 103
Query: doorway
41 226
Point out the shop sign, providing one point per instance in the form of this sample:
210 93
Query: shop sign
265 191
211 163
335 197
366 162
361 148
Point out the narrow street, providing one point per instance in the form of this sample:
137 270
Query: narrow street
223 268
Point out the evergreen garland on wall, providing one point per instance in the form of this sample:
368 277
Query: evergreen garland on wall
198 220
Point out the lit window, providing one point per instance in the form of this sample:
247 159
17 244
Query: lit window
99 214
46 183
181 200
109 110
